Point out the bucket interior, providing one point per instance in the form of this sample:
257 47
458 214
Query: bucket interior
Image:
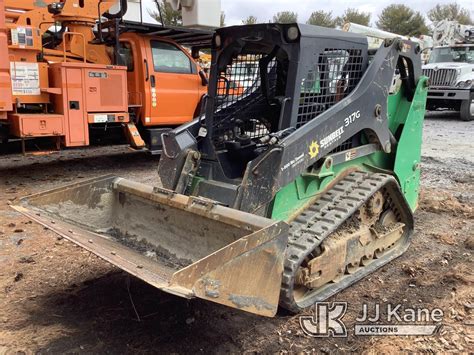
131 214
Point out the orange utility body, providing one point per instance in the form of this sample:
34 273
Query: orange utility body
5 82
66 86
89 93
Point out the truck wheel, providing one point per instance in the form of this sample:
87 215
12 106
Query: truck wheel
467 109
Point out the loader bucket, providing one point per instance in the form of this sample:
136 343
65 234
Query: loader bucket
187 246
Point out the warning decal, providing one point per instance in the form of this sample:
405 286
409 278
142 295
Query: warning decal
25 78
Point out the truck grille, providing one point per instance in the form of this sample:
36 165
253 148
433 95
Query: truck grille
441 77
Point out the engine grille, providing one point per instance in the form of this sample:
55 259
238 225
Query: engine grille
441 77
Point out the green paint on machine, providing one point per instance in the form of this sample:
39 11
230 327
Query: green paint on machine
406 124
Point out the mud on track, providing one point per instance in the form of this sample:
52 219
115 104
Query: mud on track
56 298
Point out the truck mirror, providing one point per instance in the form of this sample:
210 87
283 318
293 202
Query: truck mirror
204 79
195 53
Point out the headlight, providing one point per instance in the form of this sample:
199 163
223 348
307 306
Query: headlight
292 33
464 84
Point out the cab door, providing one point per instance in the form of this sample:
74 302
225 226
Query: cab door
174 84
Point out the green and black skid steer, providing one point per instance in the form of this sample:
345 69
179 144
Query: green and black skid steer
299 178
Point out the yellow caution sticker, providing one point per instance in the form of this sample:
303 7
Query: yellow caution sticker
313 149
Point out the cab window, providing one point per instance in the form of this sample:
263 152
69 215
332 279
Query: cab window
167 58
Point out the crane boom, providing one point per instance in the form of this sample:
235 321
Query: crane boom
448 33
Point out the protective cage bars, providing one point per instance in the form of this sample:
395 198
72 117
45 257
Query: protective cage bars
335 75
241 107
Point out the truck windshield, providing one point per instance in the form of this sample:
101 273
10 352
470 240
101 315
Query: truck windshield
452 54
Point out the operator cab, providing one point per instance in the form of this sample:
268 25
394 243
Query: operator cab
258 72
248 102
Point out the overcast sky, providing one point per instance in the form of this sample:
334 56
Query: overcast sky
236 10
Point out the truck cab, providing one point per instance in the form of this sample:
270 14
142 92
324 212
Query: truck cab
165 84
451 71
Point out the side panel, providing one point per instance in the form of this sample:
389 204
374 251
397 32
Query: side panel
405 117
297 195
77 131
408 154
105 90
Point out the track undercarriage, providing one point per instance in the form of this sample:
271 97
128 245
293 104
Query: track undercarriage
351 230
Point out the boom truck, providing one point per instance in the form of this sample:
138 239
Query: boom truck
451 69
74 67
283 194
375 37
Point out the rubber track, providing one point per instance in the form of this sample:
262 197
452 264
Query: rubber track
321 219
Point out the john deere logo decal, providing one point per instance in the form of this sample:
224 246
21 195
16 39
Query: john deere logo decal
313 149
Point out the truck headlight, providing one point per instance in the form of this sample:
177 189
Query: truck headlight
466 84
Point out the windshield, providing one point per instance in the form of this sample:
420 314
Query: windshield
452 54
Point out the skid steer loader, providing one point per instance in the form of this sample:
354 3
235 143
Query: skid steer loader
283 193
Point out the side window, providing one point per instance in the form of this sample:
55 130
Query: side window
126 55
470 55
167 58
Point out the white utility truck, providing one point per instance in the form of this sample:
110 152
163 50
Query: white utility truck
451 69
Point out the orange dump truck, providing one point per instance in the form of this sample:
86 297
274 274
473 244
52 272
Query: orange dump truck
65 74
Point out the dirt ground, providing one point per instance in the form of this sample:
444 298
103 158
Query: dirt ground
57 298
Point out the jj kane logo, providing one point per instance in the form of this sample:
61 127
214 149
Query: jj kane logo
390 319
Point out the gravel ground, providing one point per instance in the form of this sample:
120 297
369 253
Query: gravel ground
58 298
